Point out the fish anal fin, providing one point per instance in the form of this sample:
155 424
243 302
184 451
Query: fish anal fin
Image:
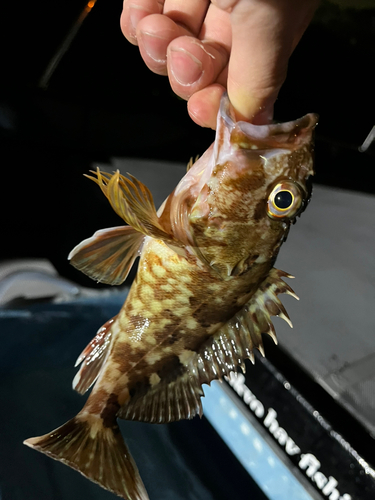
97 452
109 254
170 400
93 358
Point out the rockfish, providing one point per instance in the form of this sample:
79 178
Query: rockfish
203 295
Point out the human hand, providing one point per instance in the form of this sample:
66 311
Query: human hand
207 46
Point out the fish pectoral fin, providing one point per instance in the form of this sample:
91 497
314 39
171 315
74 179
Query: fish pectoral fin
93 358
97 452
236 340
133 202
108 255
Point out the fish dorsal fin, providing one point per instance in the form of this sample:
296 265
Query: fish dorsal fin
133 202
108 255
191 163
178 395
236 340
93 358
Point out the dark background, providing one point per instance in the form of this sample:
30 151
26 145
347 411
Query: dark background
103 102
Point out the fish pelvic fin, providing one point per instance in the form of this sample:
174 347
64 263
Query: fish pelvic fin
109 254
97 452
93 358
133 202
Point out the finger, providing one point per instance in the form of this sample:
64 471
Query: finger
188 14
253 87
217 28
154 34
264 35
193 64
203 106
135 10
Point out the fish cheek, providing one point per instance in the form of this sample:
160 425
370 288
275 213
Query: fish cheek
248 183
260 210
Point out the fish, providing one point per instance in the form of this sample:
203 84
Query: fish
204 293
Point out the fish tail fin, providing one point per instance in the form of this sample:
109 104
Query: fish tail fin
97 452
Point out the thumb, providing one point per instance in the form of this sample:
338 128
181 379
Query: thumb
264 35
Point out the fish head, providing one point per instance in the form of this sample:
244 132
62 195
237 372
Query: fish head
243 194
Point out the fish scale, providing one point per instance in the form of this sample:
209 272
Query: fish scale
203 296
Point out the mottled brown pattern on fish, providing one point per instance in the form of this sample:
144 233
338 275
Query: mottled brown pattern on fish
289 166
95 402
235 194
110 410
177 302
190 301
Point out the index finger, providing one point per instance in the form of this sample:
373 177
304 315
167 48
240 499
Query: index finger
135 10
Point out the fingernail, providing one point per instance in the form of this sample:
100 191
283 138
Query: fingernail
154 45
185 67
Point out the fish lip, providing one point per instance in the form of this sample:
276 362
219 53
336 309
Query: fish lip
286 133
227 111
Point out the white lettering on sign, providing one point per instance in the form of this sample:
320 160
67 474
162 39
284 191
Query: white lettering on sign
308 462
279 433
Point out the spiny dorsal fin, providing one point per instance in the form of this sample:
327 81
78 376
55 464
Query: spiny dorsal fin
108 255
179 395
191 163
93 357
133 202
235 341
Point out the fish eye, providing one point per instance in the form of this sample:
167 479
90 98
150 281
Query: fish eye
284 200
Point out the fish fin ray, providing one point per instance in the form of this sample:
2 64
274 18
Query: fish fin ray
167 401
236 340
97 452
93 358
109 254
133 202
191 162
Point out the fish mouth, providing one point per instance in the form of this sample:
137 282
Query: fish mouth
288 135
